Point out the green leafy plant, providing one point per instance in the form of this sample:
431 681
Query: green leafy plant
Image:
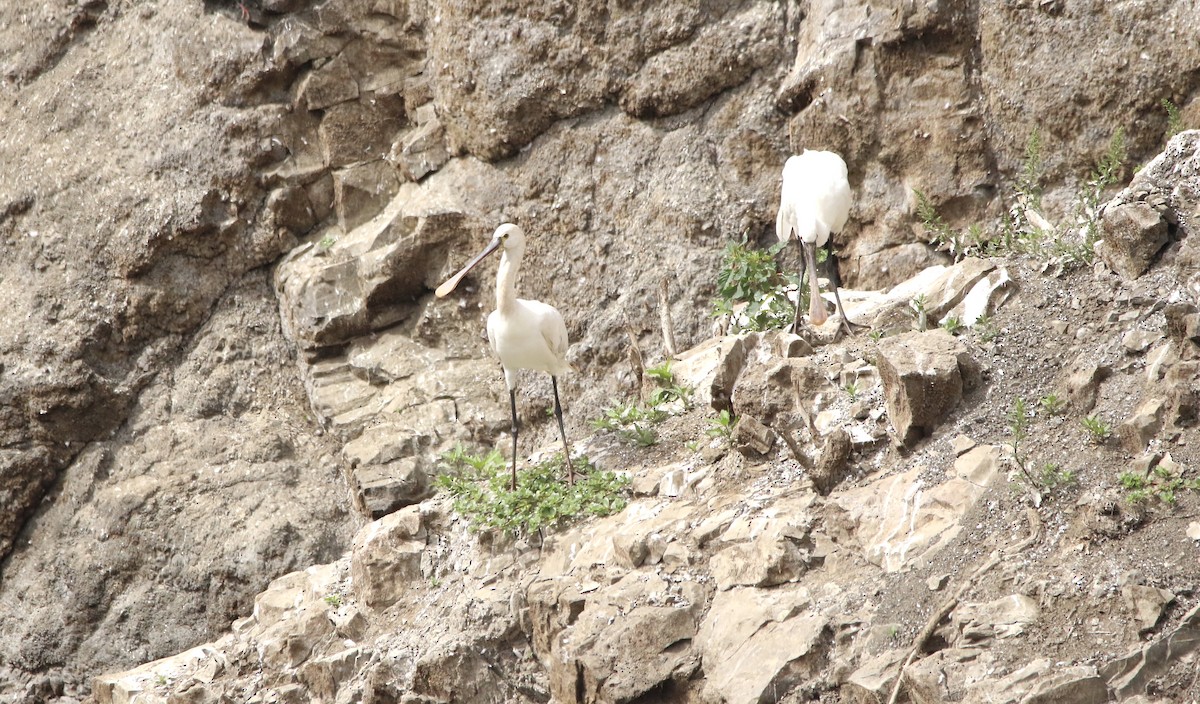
1053 404
480 489
1054 476
669 390
1098 430
1174 119
1018 433
958 243
875 335
952 325
334 600
852 390
1024 229
1160 483
917 308
641 435
325 243
721 427
752 276
985 329
1090 198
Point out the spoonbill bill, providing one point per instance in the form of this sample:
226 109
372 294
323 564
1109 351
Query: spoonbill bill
814 202
523 334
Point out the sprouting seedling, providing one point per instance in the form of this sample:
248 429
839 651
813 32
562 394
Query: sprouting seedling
1053 404
852 390
952 325
325 243
985 328
721 426
1097 429
917 308
1174 119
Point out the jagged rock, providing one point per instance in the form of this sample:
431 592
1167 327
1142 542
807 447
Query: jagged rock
329 85
361 191
1183 395
1183 327
940 677
712 368
757 642
292 208
1129 675
752 437
1140 428
898 522
924 376
360 130
422 151
945 290
1003 618
833 462
1137 341
387 556
630 550
1082 383
1133 234
349 623
770 559
329 296
382 489
1081 684
617 645
325 676
1146 604
764 388
872 682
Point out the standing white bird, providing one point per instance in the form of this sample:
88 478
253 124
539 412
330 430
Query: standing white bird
814 202
523 334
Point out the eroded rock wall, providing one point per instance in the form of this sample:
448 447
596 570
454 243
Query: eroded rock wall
158 156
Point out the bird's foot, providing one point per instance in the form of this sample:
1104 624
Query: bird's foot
850 327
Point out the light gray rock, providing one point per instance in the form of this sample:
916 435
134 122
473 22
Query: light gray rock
769 559
1082 383
386 557
1140 428
758 642
1146 604
924 376
1133 235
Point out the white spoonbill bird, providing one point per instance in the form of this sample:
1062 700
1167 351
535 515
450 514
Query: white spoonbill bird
814 202
523 334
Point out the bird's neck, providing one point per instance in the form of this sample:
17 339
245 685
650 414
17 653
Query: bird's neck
506 282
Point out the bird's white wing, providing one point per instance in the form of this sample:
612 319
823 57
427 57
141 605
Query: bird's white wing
815 196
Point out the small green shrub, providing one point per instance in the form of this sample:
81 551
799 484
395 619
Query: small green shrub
952 325
1053 404
752 276
721 427
985 329
1098 431
852 391
1174 119
480 488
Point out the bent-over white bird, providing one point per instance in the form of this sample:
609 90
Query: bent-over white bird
814 202
523 334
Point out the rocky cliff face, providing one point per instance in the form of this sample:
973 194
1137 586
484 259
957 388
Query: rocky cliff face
223 222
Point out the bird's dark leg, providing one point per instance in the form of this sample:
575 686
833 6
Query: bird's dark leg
799 289
512 404
562 431
846 324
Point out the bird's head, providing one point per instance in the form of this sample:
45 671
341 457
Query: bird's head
508 236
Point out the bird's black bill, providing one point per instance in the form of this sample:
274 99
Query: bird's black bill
452 282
